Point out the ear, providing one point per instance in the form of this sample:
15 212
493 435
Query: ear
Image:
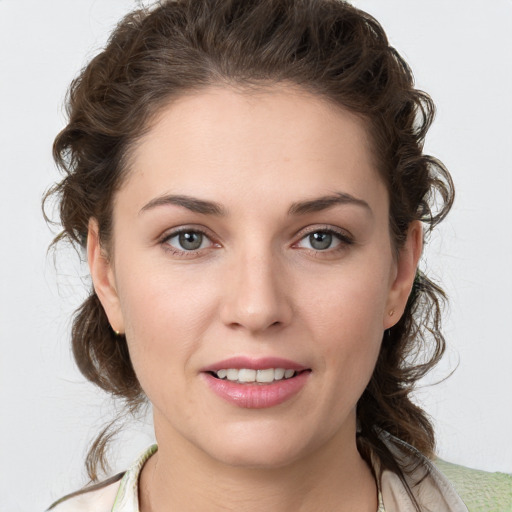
103 278
406 267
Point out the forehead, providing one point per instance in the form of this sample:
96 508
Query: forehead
281 140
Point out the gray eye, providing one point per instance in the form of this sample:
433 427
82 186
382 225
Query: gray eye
190 240
320 240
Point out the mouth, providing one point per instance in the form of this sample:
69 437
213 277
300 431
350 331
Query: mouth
252 376
256 383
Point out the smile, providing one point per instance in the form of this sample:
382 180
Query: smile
248 375
256 383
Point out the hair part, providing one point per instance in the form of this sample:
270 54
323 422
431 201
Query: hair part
326 47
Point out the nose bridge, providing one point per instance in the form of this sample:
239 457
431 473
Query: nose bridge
255 297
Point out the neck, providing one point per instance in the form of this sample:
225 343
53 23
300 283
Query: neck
334 477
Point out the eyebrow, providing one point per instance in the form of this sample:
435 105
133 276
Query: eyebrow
190 203
326 202
212 208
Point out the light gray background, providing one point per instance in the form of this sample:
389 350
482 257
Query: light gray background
460 53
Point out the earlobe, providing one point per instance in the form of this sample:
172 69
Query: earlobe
103 278
406 268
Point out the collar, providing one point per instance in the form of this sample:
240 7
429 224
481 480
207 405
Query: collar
430 487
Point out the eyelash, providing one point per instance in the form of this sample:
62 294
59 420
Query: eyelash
164 241
344 239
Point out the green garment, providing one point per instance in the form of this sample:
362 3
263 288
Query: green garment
440 489
481 491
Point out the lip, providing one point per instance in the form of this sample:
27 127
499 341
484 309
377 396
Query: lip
256 396
250 363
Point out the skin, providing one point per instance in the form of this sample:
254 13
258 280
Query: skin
256 287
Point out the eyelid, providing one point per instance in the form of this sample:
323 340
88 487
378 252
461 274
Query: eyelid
172 232
344 235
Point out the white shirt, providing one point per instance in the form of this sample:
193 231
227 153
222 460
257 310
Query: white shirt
435 493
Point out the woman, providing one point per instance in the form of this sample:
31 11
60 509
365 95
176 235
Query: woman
248 181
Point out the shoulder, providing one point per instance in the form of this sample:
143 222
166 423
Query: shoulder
99 497
441 486
479 490
119 493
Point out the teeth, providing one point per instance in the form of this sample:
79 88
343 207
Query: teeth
232 374
265 376
288 374
246 375
279 373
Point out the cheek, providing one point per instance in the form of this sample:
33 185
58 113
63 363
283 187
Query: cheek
165 314
346 322
351 303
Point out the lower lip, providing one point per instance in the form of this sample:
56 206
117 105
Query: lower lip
257 396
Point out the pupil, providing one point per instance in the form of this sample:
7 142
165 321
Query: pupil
190 240
320 240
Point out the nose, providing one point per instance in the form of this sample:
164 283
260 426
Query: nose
256 296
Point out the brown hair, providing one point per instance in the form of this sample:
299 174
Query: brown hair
327 47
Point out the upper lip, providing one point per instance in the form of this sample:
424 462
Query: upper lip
250 363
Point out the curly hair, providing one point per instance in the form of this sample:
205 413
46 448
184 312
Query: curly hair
326 47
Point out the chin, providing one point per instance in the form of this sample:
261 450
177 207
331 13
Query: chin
270 448
260 457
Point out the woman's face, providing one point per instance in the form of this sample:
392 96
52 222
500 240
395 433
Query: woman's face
252 234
